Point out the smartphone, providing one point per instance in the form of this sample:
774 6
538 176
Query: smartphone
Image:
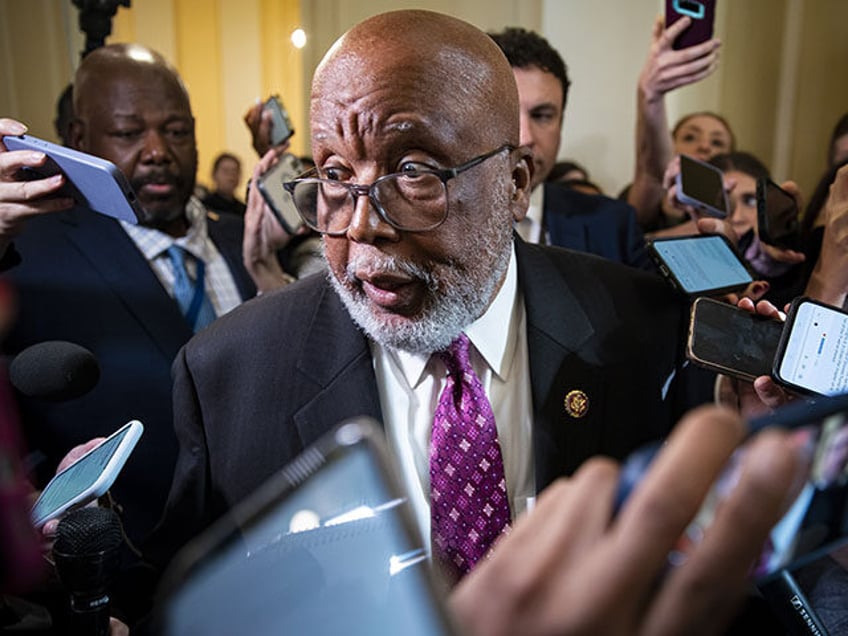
700 265
92 182
327 546
701 185
732 341
281 203
812 355
777 216
281 126
702 13
89 477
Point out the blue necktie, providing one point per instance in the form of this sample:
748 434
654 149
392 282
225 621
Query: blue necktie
191 296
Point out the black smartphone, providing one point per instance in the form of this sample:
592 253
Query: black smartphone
701 185
702 13
732 341
281 126
778 223
278 199
812 355
92 182
327 546
700 265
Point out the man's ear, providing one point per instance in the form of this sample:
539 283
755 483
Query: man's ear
522 177
76 133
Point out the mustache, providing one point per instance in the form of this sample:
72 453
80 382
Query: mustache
385 264
157 178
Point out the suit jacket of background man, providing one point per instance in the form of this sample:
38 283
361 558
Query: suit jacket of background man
596 224
274 375
82 279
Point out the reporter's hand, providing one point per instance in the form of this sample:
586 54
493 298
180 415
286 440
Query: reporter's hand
829 280
263 235
21 199
259 122
570 568
667 68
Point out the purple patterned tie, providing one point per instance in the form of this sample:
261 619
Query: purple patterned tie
469 507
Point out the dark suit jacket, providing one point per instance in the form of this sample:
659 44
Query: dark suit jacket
82 279
596 224
280 371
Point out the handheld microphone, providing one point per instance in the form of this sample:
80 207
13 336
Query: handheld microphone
55 371
87 556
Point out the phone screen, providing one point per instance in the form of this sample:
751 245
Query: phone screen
281 203
334 556
733 341
87 478
699 264
777 215
814 354
701 185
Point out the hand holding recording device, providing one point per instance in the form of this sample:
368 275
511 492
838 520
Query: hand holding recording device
281 125
92 182
777 216
327 546
732 341
702 13
89 477
281 203
700 265
701 185
812 355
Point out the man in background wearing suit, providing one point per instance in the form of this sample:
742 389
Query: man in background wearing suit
108 285
559 215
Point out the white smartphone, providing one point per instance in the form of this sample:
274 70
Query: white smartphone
89 477
281 203
701 265
812 356
701 185
92 182
327 546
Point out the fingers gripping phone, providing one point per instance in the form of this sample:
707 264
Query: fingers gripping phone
702 13
701 185
700 265
92 182
281 203
732 341
281 125
777 216
812 355
89 477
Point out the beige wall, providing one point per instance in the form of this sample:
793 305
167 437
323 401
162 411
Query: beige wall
779 81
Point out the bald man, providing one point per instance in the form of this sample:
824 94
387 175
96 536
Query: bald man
108 285
420 100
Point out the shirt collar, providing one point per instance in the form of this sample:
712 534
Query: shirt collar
153 242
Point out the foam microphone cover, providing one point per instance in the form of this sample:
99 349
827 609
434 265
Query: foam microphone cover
87 549
55 370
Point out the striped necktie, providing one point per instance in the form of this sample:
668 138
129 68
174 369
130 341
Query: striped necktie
191 296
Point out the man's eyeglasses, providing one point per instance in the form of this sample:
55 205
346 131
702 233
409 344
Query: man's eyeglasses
413 201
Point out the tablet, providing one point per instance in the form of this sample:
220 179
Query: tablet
92 182
327 546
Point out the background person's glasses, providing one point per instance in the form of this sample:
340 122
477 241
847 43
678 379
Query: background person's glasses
414 201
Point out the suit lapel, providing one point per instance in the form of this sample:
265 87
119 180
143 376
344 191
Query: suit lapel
565 380
343 375
112 253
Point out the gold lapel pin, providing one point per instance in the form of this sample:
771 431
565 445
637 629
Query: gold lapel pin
576 403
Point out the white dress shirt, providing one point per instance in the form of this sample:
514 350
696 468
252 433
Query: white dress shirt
410 385
219 284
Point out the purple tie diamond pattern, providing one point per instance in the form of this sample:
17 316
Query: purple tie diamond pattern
469 507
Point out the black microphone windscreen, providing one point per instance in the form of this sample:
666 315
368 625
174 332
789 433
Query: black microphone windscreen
54 370
88 530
